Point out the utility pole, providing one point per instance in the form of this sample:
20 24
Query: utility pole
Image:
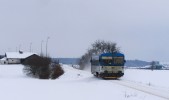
47 46
41 53
30 46
20 47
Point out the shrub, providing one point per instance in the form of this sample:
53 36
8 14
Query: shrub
41 67
56 71
37 66
44 72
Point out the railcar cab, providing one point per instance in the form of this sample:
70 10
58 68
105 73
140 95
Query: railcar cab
108 65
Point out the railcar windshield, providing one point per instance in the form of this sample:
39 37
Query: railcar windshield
112 61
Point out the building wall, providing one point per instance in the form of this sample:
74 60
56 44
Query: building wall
13 61
2 61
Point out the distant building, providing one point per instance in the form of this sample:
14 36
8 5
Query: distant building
15 57
156 65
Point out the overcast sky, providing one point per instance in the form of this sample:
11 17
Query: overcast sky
139 27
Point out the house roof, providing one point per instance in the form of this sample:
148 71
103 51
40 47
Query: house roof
3 59
19 55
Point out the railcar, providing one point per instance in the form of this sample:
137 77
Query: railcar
108 65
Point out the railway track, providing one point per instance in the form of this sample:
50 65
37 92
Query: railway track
162 93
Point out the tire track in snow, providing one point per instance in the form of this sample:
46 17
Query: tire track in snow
143 88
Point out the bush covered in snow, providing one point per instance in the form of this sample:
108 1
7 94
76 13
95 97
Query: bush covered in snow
41 67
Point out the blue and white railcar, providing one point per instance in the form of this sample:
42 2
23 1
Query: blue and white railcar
108 65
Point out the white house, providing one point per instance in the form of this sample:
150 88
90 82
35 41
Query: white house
3 61
15 57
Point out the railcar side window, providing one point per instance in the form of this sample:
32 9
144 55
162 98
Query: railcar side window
95 62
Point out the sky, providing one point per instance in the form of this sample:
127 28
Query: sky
139 27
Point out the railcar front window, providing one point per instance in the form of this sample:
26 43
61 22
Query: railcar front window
107 61
118 60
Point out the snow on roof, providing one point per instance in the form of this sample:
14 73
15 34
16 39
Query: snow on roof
3 59
18 54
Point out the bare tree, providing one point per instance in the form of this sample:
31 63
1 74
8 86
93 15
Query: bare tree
152 65
98 47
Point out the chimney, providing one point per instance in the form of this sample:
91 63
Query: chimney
20 52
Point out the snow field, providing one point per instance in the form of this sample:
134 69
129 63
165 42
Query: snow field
73 85
155 78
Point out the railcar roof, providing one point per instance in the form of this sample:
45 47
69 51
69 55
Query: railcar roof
112 54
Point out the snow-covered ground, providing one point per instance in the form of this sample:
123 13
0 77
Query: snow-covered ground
156 78
77 85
